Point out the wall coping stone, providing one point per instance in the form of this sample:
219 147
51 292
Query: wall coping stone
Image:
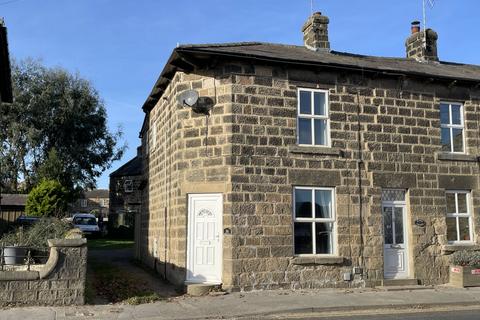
51 263
19 275
444 156
318 260
67 242
317 150
451 248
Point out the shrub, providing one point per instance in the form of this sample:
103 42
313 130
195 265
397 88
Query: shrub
466 258
37 235
48 199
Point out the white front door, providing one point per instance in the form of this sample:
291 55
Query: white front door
395 241
204 238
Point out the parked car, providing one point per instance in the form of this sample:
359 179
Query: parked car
25 221
87 223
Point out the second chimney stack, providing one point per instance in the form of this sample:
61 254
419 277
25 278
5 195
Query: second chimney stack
422 45
315 32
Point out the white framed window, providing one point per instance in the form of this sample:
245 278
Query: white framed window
314 221
313 124
459 218
452 127
83 203
128 186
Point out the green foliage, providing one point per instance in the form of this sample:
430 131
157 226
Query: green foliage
57 129
466 258
37 235
48 199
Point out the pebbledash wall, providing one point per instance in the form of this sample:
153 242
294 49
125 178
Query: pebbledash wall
385 133
61 281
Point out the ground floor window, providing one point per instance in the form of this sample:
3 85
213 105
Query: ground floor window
314 220
459 219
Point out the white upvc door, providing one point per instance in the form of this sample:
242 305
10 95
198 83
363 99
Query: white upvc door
204 238
395 241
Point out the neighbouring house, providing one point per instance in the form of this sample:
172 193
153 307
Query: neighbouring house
125 193
314 168
5 72
12 206
92 201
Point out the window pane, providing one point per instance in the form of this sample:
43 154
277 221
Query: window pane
451 203
387 225
452 229
462 203
303 203
457 140
319 103
445 136
398 225
456 114
323 238
444 117
305 102
305 131
303 238
323 204
320 132
463 224
393 195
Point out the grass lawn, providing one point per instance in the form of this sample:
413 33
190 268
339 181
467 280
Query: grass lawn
109 244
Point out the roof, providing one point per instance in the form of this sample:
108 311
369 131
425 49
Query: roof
5 72
184 56
131 168
96 193
9 199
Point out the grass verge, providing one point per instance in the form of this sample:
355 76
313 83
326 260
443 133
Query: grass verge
109 244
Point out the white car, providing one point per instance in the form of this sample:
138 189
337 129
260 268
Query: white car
87 223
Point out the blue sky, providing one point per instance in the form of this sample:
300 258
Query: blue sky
122 45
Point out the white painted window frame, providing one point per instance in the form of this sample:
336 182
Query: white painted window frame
314 220
451 126
312 117
457 215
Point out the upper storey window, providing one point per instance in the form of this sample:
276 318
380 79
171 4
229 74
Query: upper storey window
452 126
313 127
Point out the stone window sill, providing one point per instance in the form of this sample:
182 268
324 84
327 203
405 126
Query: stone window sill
451 248
456 157
318 260
316 150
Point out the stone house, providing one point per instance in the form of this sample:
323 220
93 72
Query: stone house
125 192
314 168
92 201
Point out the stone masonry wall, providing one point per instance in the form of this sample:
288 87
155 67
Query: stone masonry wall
61 281
385 133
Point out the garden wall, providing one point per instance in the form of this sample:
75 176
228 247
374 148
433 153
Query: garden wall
61 281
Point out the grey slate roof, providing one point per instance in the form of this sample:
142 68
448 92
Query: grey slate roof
5 73
9 199
131 168
299 55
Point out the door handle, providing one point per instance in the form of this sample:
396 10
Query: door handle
395 246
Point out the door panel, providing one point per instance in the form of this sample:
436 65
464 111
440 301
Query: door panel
395 249
204 251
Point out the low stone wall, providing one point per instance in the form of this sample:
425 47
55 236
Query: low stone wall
61 281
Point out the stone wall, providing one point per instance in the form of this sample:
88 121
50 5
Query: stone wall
61 281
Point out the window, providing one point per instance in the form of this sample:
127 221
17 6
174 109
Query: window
312 124
451 120
83 203
128 186
459 220
314 220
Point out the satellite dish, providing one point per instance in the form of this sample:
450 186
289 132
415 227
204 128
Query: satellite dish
188 98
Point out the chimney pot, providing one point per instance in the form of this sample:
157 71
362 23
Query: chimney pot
415 27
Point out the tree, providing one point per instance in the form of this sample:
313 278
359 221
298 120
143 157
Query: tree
57 129
48 199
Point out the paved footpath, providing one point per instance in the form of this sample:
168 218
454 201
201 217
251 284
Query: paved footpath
259 304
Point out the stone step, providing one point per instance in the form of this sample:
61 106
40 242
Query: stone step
201 289
404 288
399 282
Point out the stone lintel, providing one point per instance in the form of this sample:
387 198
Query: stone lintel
315 150
456 157
318 260
394 180
314 178
457 182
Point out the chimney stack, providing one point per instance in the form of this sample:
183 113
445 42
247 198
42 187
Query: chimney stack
422 45
315 33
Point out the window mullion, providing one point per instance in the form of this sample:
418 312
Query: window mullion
312 120
314 234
